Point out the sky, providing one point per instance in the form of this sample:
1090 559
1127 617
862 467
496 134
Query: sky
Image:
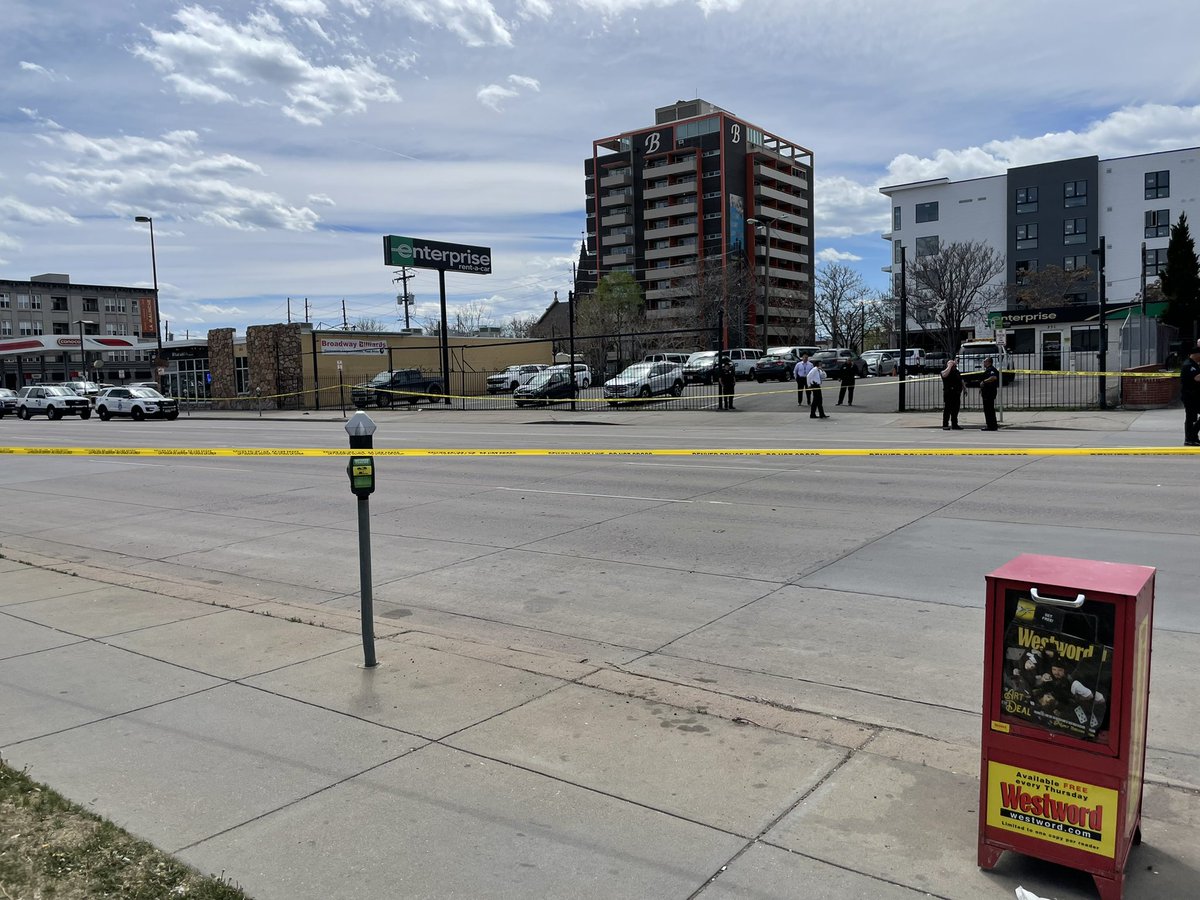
275 142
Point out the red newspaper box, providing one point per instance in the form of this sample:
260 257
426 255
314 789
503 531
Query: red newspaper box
1065 691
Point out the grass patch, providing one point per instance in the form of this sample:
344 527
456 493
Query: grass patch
52 848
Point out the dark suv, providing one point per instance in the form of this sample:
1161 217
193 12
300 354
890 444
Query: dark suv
838 358
400 386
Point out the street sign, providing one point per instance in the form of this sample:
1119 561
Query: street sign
423 254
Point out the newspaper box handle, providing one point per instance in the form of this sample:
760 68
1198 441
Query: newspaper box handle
1054 601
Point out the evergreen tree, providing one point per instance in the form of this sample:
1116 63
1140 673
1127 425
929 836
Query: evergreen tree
1180 282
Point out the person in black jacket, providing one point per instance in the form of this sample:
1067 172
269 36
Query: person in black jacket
846 376
989 385
952 388
727 377
1189 393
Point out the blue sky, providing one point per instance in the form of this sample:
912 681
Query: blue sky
275 142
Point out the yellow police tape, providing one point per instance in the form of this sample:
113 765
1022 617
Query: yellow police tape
243 452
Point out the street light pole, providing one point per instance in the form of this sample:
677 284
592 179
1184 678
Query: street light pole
766 224
82 352
158 361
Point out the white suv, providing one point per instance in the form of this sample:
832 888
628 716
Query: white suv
644 380
513 377
971 355
53 401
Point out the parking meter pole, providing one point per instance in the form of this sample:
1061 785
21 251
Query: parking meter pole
903 324
366 606
361 470
342 393
444 337
571 334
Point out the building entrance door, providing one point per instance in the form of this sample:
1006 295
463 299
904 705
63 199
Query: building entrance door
1052 351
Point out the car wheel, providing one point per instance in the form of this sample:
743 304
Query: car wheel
103 413
520 404
22 413
644 393
758 378
612 402
52 414
137 414
172 415
677 389
435 394
381 400
514 385
85 414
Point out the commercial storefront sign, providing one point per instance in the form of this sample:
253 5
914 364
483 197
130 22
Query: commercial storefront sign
423 254
351 345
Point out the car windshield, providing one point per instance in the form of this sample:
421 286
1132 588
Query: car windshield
539 379
824 355
148 393
382 378
980 349
53 390
636 370
778 357
706 356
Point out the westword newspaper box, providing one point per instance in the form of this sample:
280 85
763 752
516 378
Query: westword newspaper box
1065 693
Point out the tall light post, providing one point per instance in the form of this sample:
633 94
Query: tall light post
82 352
158 360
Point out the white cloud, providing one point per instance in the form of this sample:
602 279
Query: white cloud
41 70
17 211
475 22
493 95
302 7
834 256
131 175
209 58
320 200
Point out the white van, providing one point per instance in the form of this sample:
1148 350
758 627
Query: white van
678 358
744 360
971 355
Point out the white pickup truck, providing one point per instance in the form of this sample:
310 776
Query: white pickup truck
971 355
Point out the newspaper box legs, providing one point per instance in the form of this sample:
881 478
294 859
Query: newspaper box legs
1065 690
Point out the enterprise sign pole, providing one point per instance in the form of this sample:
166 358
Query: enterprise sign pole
422 254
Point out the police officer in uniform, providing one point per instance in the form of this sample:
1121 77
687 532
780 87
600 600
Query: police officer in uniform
952 388
989 385
727 377
1189 393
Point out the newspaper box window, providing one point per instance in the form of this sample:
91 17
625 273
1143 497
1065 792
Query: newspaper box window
1066 690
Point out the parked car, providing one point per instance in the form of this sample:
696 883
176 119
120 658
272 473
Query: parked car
8 402
744 360
583 373
701 366
935 361
52 401
80 388
137 403
513 377
545 387
645 380
153 385
971 355
880 362
838 358
399 386
777 366
796 351
678 358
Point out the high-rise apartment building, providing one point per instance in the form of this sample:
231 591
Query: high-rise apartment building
702 195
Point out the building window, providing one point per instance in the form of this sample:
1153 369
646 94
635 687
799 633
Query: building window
22 301
1153 262
896 252
1075 231
1158 223
5 328
1085 339
1027 200
1027 236
5 303
1022 268
895 218
927 212
1158 185
715 173
59 304
713 215
60 328
91 304
1074 263
927 246
1075 193
29 329
712 195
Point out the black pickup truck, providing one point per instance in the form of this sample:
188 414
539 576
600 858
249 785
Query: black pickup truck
398 386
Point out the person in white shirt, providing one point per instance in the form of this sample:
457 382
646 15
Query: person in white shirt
800 373
816 407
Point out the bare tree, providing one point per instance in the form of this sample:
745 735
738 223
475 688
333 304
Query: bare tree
462 321
714 291
839 305
1050 286
608 318
520 326
954 286
367 323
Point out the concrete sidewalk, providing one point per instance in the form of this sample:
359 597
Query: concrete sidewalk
242 733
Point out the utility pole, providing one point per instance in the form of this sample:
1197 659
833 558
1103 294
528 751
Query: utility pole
307 315
903 322
1099 254
289 308
404 298
345 324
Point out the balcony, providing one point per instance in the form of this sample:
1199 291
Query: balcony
623 217
671 190
763 192
675 168
679 209
617 256
768 173
619 179
621 199
669 252
655 234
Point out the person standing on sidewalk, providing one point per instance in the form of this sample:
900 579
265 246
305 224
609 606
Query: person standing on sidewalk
989 384
727 377
952 388
816 404
846 376
800 373
1189 393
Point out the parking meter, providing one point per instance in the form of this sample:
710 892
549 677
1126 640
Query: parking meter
361 470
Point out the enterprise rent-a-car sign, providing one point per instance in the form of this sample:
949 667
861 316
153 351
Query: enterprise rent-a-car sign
422 254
